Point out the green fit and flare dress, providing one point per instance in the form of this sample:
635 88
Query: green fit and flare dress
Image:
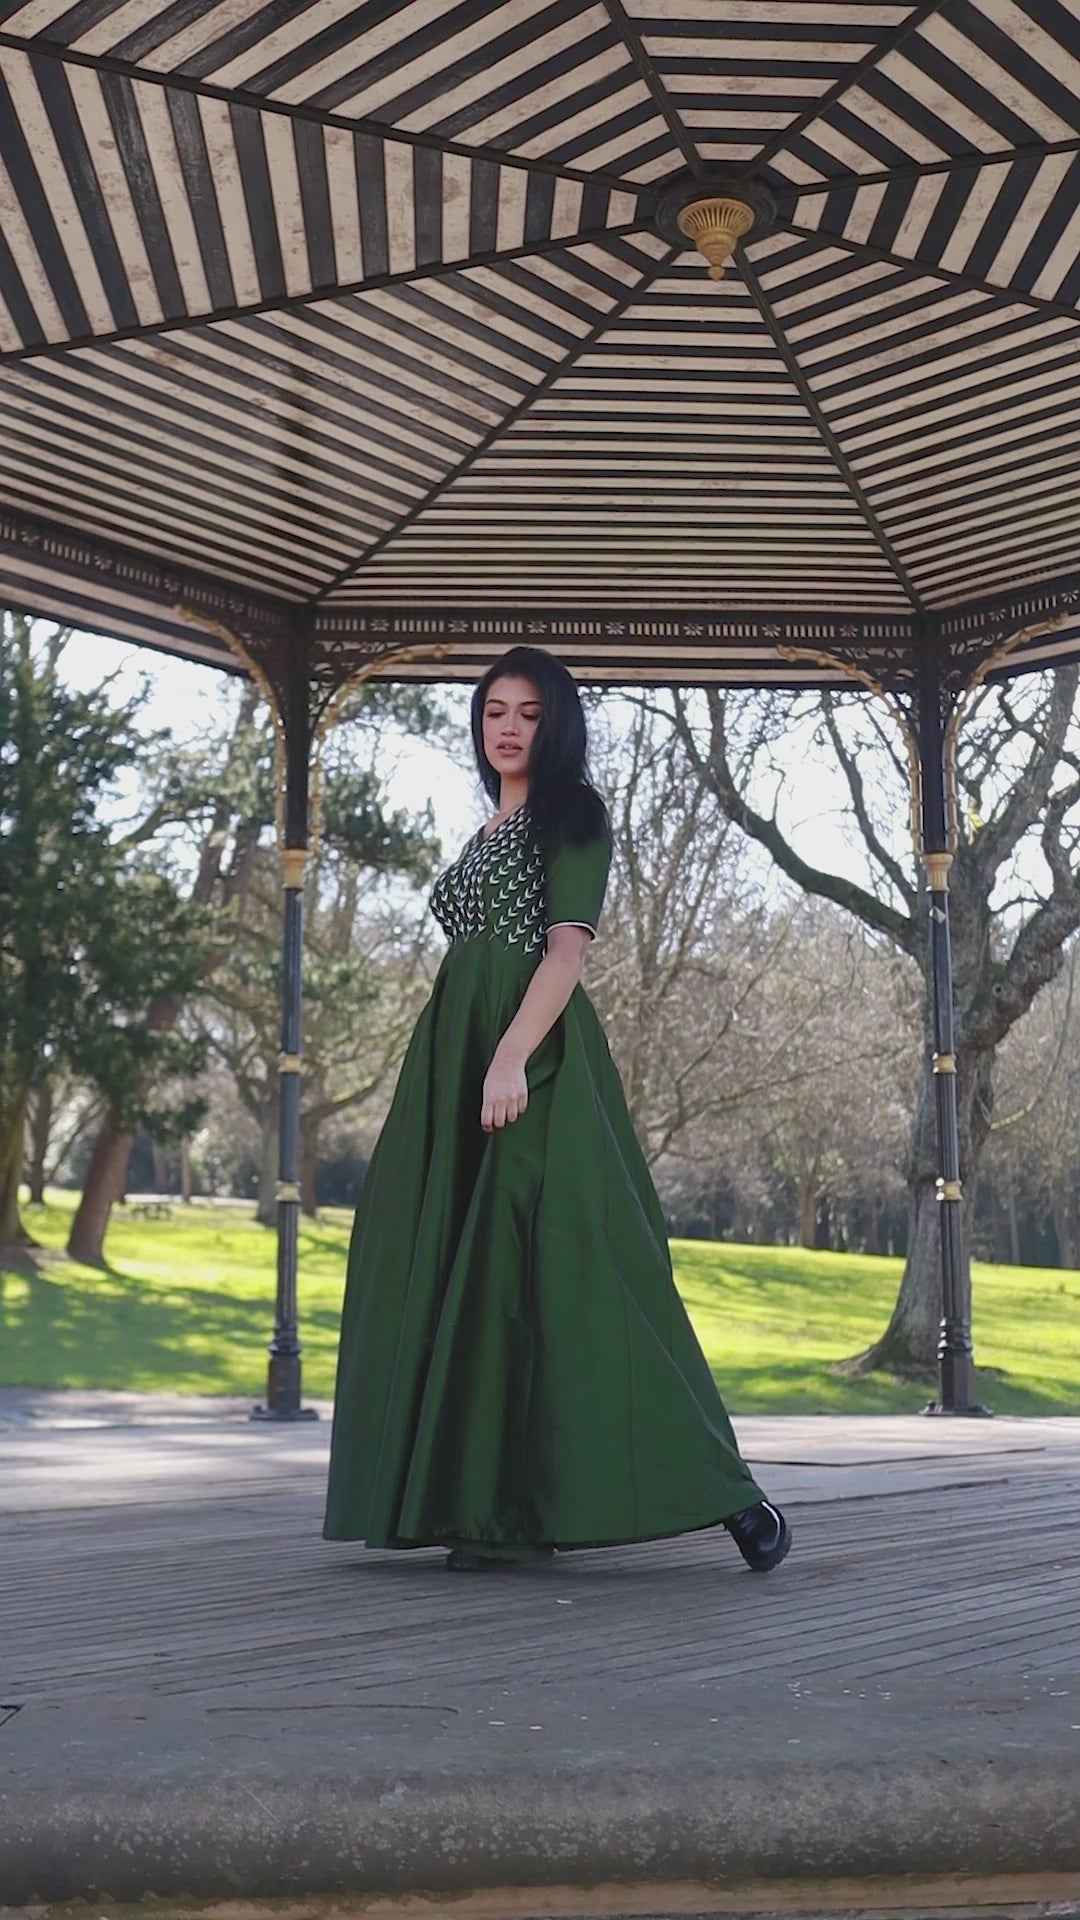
517 1371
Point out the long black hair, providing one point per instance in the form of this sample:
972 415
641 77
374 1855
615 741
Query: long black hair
563 802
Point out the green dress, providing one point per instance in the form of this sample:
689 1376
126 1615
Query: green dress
516 1370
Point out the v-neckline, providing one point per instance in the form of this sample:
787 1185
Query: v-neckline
505 822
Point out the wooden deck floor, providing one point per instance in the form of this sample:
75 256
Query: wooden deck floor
201 1700
185 1559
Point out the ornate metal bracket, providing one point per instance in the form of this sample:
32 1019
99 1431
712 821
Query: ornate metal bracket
956 705
264 659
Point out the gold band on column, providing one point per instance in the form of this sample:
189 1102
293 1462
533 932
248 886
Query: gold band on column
287 1190
937 870
293 864
949 1190
288 1063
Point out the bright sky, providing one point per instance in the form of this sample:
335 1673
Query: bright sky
185 696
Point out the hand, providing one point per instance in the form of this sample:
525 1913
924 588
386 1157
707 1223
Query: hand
506 1094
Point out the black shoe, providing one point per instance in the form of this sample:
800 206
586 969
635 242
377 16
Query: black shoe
762 1536
460 1560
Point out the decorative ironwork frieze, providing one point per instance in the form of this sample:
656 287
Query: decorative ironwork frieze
261 633
105 562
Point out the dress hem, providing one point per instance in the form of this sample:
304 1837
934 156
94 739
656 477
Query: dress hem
448 1540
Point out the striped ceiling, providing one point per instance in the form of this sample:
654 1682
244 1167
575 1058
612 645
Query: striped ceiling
358 313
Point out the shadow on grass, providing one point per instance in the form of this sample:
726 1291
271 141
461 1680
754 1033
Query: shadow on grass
775 1322
113 1332
801 1386
312 1241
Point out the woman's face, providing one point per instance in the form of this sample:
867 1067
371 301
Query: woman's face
512 713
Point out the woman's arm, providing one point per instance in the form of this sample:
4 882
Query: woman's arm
506 1093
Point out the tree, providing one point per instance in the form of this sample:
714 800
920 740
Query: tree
1031 1185
87 929
689 942
224 786
217 798
823 1043
365 970
1015 899
832 1121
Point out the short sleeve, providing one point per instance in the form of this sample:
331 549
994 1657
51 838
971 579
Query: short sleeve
576 881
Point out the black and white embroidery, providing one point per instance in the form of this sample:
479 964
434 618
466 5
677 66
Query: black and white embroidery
495 890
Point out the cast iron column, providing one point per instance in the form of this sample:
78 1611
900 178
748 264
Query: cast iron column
954 1349
283 1390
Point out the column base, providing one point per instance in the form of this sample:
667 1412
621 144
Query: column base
283 1390
956 1374
934 1409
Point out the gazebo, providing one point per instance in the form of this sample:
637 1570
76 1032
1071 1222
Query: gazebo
728 341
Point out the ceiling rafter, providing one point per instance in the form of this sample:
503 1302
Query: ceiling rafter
318 296
928 169
585 474
1008 296
639 54
916 19
829 439
317 116
509 420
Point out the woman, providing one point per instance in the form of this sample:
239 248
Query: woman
517 1373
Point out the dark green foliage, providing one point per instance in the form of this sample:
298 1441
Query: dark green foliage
88 934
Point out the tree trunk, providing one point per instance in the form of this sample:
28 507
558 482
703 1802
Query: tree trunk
160 1167
1014 1224
104 1185
40 1132
875 1238
1061 1212
909 1345
185 1171
807 1189
309 1167
12 1148
266 1209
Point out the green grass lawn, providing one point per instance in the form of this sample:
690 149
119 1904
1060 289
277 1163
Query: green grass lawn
186 1304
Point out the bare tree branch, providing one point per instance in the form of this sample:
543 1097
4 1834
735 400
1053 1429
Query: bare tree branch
1037 952
716 767
1030 792
853 776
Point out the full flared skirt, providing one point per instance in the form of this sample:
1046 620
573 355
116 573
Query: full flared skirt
516 1366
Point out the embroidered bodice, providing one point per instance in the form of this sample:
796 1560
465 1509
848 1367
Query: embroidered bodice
495 888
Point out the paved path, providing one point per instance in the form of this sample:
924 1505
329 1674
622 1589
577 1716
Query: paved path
200 1697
